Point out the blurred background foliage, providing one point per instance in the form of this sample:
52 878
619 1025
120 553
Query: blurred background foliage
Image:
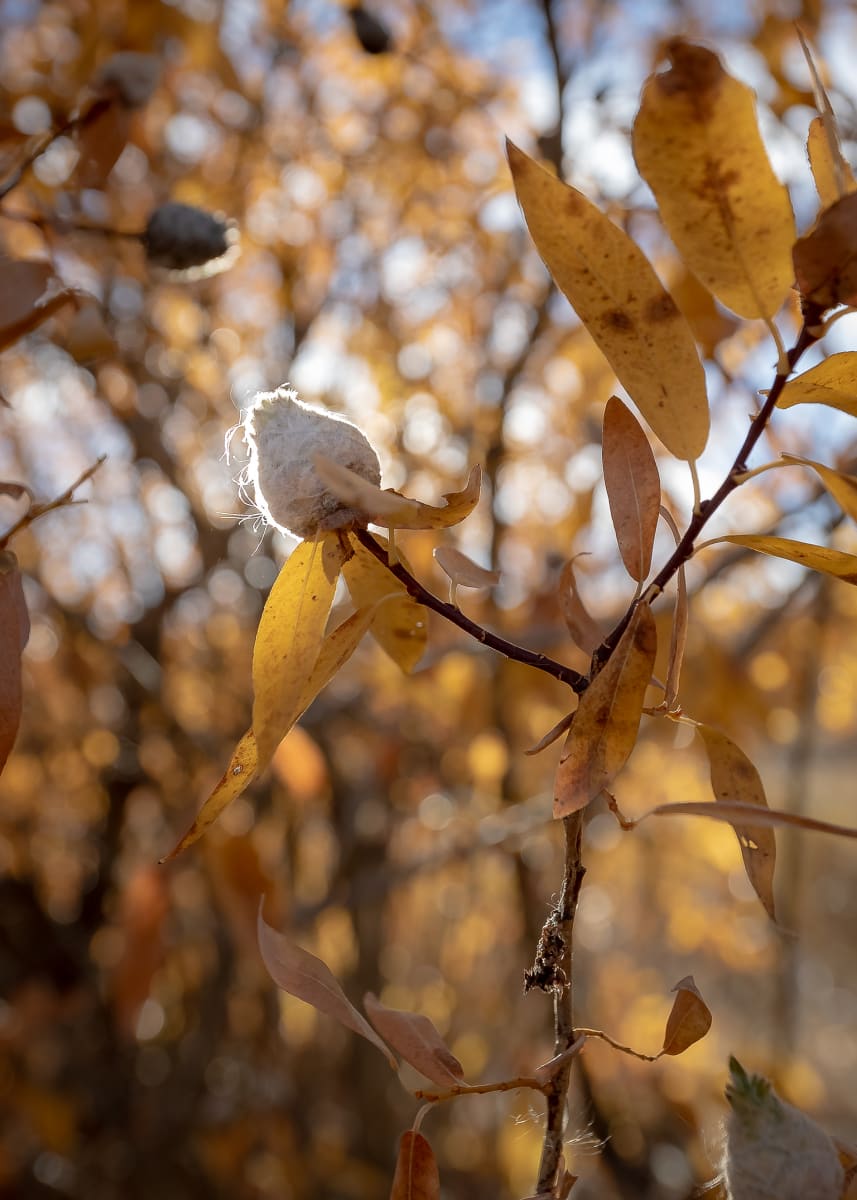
401 835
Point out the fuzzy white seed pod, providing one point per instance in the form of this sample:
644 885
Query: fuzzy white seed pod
284 436
773 1151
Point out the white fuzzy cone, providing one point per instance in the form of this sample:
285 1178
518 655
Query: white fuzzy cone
774 1151
284 436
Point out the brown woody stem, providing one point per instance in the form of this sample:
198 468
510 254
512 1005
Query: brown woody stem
414 588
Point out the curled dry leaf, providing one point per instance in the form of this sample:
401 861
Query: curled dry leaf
416 1175
697 145
463 571
818 558
633 487
552 734
16 491
289 638
736 812
624 306
832 174
689 1020
14 631
395 511
733 777
825 259
303 975
833 382
583 629
605 725
399 626
414 1037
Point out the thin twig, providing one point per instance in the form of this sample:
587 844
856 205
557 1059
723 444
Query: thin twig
76 121
414 588
482 1089
39 510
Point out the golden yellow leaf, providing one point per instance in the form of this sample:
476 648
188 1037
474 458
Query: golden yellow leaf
697 145
399 625
605 725
832 174
833 382
624 306
289 638
395 511
842 487
689 1020
818 558
242 770
733 777
633 487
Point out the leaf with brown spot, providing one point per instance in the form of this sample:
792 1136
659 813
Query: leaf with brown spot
14 632
633 487
583 629
607 719
416 1175
414 1037
399 626
303 975
697 145
689 1020
733 777
833 382
818 558
624 306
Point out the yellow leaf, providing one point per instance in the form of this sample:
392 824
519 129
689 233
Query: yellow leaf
607 718
833 382
633 487
689 1020
395 511
242 770
832 174
624 306
289 638
399 625
818 558
697 145
842 487
734 778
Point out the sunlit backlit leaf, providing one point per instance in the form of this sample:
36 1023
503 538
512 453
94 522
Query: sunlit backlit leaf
399 625
242 770
395 511
624 306
698 146
818 558
633 487
842 487
833 382
607 719
689 1020
833 176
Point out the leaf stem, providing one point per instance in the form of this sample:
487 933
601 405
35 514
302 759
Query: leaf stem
541 662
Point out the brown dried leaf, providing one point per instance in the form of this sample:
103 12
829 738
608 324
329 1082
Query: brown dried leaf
22 284
735 812
689 1020
463 571
633 487
416 1175
399 624
303 975
733 777
818 558
825 259
32 319
415 1038
14 631
604 730
583 629
627 311
552 735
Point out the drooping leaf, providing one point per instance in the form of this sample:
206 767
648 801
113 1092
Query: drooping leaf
395 511
825 259
416 1175
833 382
818 558
733 777
415 1038
607 718
689 1020
832 174
681 618
633 487
399 625
697 145
301 974
337 648
14 631
289 638
624 306
463 571
752 816
242 770
582 627
842 487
